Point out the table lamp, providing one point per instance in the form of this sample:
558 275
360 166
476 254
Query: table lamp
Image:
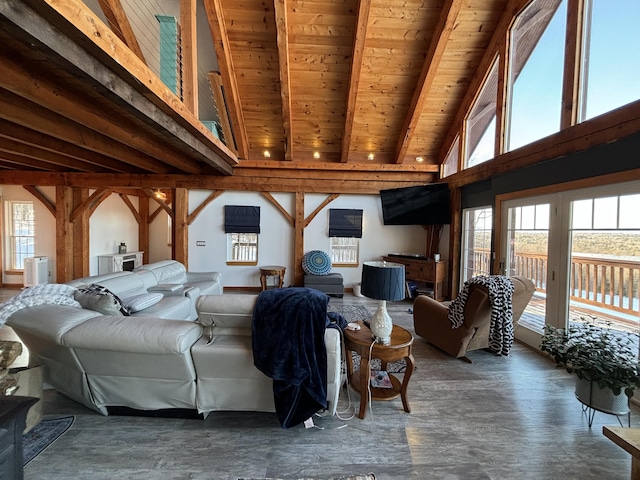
382 281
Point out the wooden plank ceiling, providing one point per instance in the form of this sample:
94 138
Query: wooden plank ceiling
370 85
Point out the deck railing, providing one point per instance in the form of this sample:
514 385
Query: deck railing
613 284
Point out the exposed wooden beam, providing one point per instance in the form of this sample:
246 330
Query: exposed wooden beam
35 191
64 234
313 214
70 36
132 208
120 25
298 240
19 161
162 204
49 143
228 71
572 59
362 21
188 39
80 236
58 99
180 243
445 26
46 159
193 215
217 90
90 203
256 183
28 114
143 227
282 35
277 204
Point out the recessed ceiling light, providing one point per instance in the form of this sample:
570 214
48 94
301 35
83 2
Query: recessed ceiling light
419 159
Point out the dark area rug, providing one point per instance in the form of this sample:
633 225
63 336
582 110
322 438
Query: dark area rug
36 440
351 313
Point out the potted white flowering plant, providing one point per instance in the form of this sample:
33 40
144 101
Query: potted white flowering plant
604 360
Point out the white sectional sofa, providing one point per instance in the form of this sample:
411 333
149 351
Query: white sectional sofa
180 289
156 358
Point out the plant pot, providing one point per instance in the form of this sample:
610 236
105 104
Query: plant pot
601 399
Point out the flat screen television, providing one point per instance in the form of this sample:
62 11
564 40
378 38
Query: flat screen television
420 205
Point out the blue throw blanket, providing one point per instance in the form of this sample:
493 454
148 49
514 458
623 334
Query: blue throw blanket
288 346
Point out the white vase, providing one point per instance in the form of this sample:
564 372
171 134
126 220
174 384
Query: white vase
601 399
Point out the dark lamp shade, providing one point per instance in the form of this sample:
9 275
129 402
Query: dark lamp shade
383 281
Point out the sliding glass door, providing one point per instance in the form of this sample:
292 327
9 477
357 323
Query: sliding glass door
525 252
581 248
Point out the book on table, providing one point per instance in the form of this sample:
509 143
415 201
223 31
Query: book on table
380 379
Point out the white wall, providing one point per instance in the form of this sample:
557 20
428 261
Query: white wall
111 223
159 236
275 242
45 244
377 239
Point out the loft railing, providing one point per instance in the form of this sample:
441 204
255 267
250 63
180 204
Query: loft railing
613 284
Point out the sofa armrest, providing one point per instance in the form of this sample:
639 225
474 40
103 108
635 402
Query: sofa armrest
143 334
203 277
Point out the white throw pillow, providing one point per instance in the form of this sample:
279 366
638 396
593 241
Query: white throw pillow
140 302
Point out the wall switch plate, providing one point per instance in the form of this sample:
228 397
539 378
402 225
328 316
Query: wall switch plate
200 243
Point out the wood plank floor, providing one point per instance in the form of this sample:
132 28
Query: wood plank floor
502 418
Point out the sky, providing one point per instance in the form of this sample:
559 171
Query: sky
612 80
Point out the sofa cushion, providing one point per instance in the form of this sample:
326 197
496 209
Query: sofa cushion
141 302
176 307
166 271
100 299
229 314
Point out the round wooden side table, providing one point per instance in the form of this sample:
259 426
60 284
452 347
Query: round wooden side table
359 341
271 271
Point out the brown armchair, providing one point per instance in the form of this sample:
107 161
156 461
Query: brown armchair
430 319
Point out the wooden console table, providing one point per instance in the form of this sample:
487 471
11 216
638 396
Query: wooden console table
629 440
420 269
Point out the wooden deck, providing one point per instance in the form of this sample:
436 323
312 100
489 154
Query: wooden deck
534 315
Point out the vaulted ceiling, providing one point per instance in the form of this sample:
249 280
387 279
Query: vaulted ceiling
361 88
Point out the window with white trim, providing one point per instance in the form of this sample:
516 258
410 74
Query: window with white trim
21 232
242 226
345 230
477 227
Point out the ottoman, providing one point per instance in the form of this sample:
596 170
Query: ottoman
331 284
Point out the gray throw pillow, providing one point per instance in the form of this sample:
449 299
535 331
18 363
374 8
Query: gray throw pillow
104 304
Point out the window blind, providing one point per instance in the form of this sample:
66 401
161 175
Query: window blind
344 222
241 219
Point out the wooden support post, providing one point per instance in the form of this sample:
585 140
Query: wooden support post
64 234
143 226
298 243
80 240
180 226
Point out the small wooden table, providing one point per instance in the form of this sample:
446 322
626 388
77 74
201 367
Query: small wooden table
271 271
629 439
359 341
